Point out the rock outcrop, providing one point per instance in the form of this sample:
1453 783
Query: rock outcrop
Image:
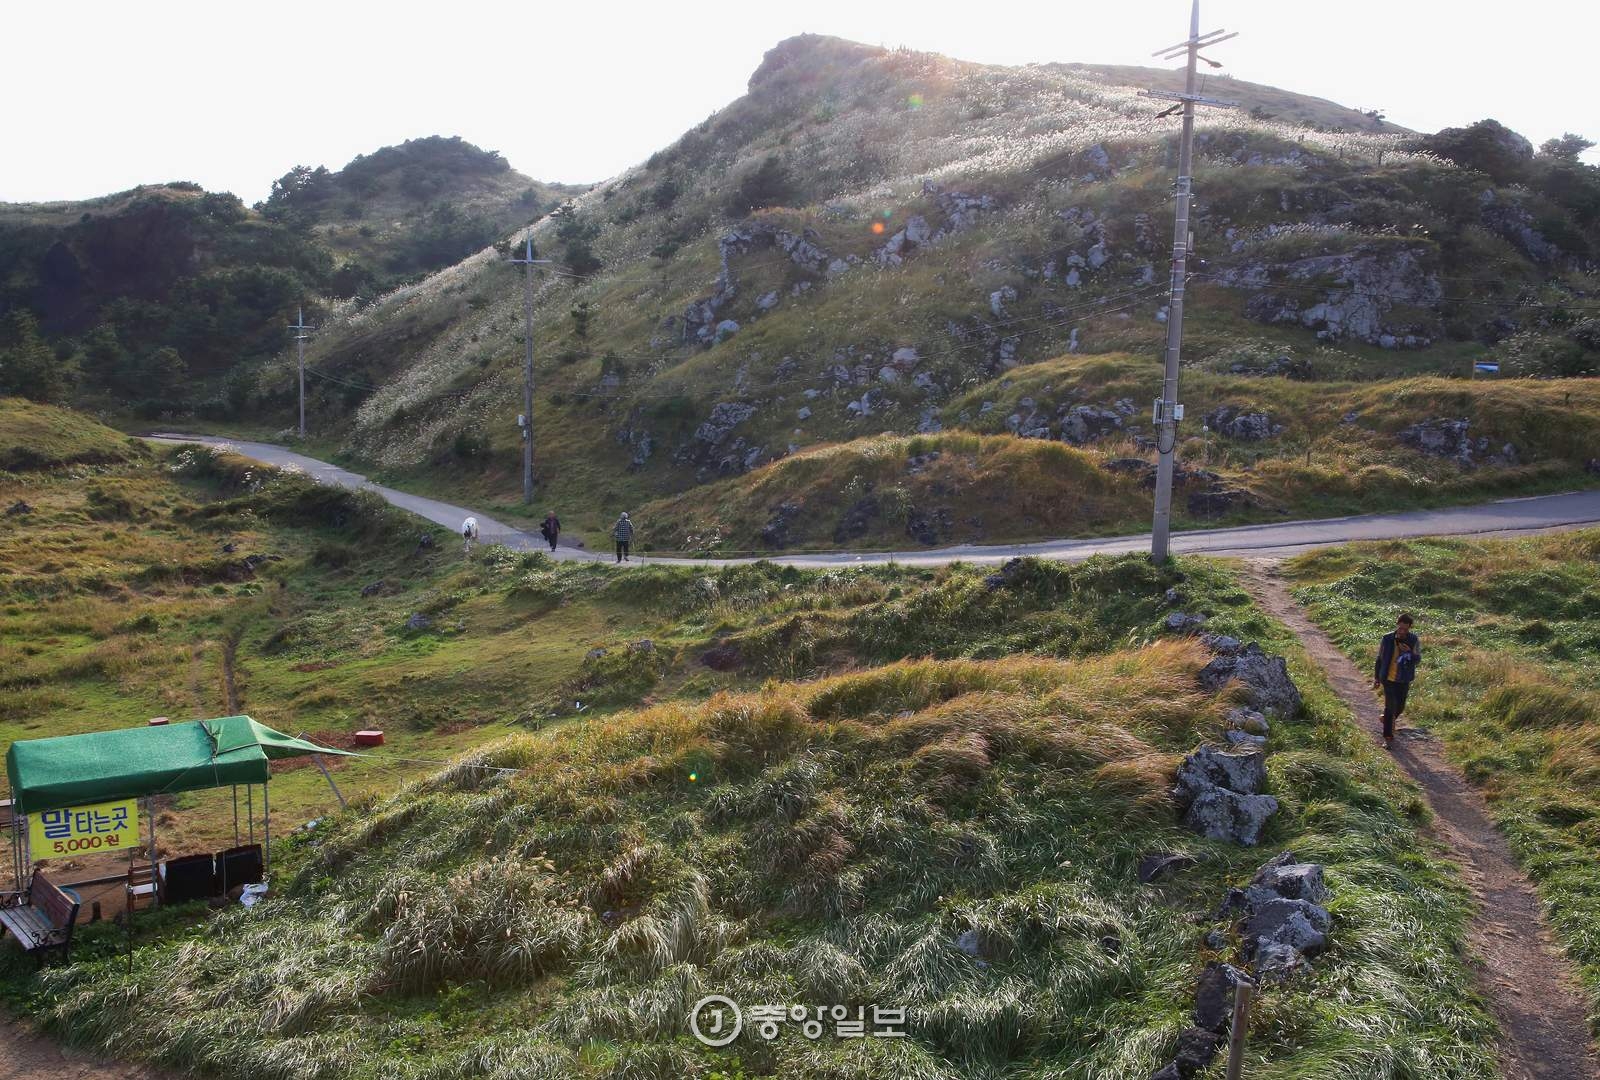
1281 917
1232 422
1221 793
702 320
1351 294
1445 438
1268 686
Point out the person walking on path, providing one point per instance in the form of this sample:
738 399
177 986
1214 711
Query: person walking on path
622 533
1399 653
550 529
469 533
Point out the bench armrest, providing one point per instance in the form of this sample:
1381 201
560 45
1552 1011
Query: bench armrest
12 898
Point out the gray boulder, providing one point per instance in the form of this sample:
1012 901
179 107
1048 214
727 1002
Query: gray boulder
1197 1049
1242 772
1265 678
418 622
1232 422
1284 878
1247 720
1180 622
1218 814
1158 864
1086 423
1222 644
1275 962
1299 924
1213 999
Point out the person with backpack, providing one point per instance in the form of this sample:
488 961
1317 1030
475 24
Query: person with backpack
1399 653
622 533
550 529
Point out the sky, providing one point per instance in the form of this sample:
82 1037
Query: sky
102 96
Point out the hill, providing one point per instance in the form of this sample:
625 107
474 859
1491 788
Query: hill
38 437
165 299
406 210
870 238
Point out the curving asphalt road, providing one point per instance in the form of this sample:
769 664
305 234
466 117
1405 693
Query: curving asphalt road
1275 540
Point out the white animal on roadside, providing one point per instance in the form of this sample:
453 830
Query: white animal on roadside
469 532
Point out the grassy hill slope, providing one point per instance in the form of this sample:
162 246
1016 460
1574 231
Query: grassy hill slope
36 436
868 237
820 843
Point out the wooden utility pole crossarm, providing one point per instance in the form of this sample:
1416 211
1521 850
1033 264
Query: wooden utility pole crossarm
1167 411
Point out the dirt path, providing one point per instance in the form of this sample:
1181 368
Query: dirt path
26 1056
1530 986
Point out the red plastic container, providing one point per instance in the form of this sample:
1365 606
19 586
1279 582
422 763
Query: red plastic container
371 737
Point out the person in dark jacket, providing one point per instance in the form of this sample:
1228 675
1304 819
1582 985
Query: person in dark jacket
622 533
1399 653
550 529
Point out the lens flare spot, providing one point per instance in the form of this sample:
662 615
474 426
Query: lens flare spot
914 101
694 777
877 226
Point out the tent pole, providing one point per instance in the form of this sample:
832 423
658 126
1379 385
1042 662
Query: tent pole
250 809
155 868
236 815
16 844
326 775
266 822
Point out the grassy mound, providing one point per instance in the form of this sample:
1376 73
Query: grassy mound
1511 637
35 437
957 837
1337 449
898 491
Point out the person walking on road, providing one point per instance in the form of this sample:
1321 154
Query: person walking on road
622 533
1399 653
550 529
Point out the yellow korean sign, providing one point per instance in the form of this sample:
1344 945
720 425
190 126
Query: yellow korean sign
83 830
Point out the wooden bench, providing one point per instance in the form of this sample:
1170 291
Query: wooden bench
41 917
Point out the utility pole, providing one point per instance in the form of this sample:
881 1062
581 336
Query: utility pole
300 328
1167 410
525 421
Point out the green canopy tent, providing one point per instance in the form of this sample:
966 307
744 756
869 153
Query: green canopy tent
102 766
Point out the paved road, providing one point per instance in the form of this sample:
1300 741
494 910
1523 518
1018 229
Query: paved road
1276 540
